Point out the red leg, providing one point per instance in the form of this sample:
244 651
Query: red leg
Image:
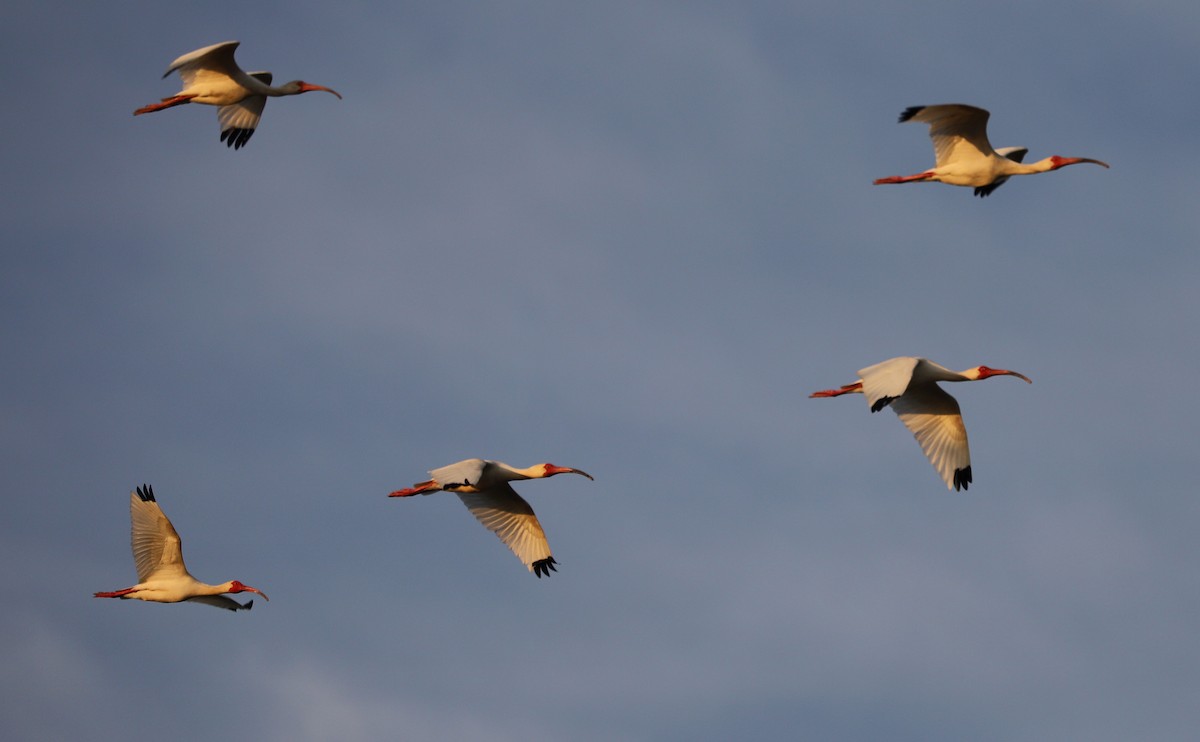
904 178
115 593
177 100
417 489
855 387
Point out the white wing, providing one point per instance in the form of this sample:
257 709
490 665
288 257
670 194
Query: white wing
466 473
959 132
935 421
886 381
211 64
239 120
157 549
505 513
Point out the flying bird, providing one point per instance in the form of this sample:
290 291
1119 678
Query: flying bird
211 76
158 555
964 155
483 486
909 386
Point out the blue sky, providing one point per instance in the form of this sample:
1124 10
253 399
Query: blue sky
629 238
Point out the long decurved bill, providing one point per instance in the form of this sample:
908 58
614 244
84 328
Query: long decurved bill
1004 372
567 470
1077 160
308 88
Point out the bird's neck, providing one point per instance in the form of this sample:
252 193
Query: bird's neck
221 589
1044 166
1041 166
261 88
536 471
258 87
930 371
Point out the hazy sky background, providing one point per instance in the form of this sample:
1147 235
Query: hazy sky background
631 238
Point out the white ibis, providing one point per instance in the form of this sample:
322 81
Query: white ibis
964 156
211 76
158 555
909 385
483 487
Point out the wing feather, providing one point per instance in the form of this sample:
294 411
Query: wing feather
887 380
1016 154
462 473
959 132
157 549
503 512
239 120
934 419
214 62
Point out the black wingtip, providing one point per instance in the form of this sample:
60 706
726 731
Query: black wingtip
248 606
881 403
236 138
986 190
544 567
146 493
909 113
962 479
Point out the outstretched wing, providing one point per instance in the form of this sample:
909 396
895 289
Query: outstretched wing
935 421
156 546
239 120
212 63
462 474
959 132
887 380
502 511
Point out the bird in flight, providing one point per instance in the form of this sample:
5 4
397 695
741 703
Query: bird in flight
909 386
964 155
158 555
483 486
211 76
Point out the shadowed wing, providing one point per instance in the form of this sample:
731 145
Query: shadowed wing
239 120
959 132
220 601
935 421
502 511
156 545
1016 154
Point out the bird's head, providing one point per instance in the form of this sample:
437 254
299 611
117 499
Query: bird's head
984 372
237 587
550 470
1056 162
295 87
